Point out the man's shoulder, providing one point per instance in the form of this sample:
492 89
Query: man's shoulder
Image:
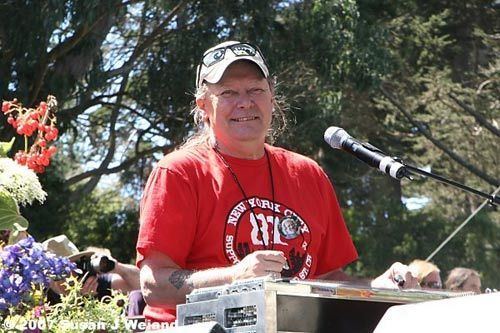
282 155
182 158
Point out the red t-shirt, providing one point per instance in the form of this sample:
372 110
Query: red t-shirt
193 211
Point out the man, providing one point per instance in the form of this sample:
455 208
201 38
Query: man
228 206
100 280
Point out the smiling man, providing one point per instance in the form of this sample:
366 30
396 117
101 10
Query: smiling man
227 205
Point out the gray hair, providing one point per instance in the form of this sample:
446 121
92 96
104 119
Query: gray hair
458 276
203 135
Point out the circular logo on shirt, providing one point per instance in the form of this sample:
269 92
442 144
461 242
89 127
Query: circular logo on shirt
258 224
289 226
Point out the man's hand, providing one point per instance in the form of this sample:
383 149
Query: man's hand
397 276
165 284
260 263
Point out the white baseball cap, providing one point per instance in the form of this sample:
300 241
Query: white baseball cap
216 60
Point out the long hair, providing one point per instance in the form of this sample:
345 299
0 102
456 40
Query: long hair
203 134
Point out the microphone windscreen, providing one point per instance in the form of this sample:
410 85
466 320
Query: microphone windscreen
334 136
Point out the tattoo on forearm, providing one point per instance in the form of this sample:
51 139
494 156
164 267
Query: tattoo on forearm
178 278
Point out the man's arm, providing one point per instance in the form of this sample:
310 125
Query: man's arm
164 283
125 277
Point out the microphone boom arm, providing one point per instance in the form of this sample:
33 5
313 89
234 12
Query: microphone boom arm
338 138
493 199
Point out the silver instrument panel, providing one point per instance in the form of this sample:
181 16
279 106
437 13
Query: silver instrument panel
265 305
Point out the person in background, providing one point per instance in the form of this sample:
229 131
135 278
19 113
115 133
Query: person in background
428 274
463 279
228 205
136 302
100 271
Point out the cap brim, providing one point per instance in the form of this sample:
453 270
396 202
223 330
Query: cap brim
78 255
218 70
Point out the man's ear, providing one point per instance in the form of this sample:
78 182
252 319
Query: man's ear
200 103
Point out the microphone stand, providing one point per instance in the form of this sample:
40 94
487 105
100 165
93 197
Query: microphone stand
493 199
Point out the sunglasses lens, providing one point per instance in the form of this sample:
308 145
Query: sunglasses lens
214 57
239 50
243 50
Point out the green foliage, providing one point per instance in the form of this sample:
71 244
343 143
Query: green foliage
109 221
5 147
448 124
124 76
49 219
10 219
77 308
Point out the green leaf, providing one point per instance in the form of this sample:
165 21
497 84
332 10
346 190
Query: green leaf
5 147
10 218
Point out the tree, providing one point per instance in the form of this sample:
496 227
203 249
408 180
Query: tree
413 78
441 101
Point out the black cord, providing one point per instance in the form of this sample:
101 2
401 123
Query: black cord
233 174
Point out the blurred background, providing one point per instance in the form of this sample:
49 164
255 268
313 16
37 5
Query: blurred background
418 79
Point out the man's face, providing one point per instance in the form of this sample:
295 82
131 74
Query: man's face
239 107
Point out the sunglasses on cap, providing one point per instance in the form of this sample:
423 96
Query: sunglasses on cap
214 56
240 50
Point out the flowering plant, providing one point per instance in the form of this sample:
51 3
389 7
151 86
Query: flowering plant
19 184
39 121
26 269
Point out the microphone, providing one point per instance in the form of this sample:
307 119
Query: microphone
374 157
